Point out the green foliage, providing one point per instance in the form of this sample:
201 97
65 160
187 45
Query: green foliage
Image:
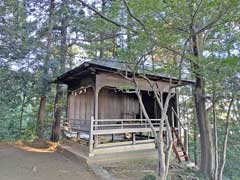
30 132
149 177
156 34
126 88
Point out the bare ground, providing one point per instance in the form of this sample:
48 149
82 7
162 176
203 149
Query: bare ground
23 162
140 168
131 169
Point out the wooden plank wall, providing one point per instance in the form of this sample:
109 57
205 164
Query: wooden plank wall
117 105
131 107
81 106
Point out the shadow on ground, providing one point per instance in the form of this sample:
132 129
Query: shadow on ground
23 161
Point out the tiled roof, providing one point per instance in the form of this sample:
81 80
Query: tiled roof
114 66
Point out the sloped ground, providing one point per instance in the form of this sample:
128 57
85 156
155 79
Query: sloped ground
39 162
145 168
140 165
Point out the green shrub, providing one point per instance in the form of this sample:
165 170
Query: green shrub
29 133
149 177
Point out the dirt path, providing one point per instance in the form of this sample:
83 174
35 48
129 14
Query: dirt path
19 164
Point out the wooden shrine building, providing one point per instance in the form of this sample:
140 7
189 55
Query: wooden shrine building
104 116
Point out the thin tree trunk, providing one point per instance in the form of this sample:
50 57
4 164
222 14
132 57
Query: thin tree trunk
223 159
169 144
21 115
158 140
101 51
164 157
206 163
164 164
195 138
164 107
215 175
101 35
58 104
114 48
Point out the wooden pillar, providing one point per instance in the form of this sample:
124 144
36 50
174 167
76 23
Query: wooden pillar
141 114
149 134
155 108
178 113
177 102
96 95
91 137
173 117
133 138
78 136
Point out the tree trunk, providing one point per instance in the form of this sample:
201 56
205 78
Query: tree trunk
42 106
101 50
21 115
58 104
57 113
206 162
195 139
223 159
161 175
41 115
166 155
101 35
114 48
215 175
161 168
163 157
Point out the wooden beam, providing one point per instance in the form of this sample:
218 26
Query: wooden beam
173 118
96 97
114 144
121 131
91 137
115 80
133 138
125 148
178 111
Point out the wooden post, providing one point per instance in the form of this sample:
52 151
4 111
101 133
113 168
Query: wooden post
180 129
173 123
78 136
141 114
96 93
133 138
112 137
155 109
178 113
91 137
186 139
177 101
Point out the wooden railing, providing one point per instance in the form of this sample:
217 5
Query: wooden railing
76 125
108 124
119 126
114 126
97 127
